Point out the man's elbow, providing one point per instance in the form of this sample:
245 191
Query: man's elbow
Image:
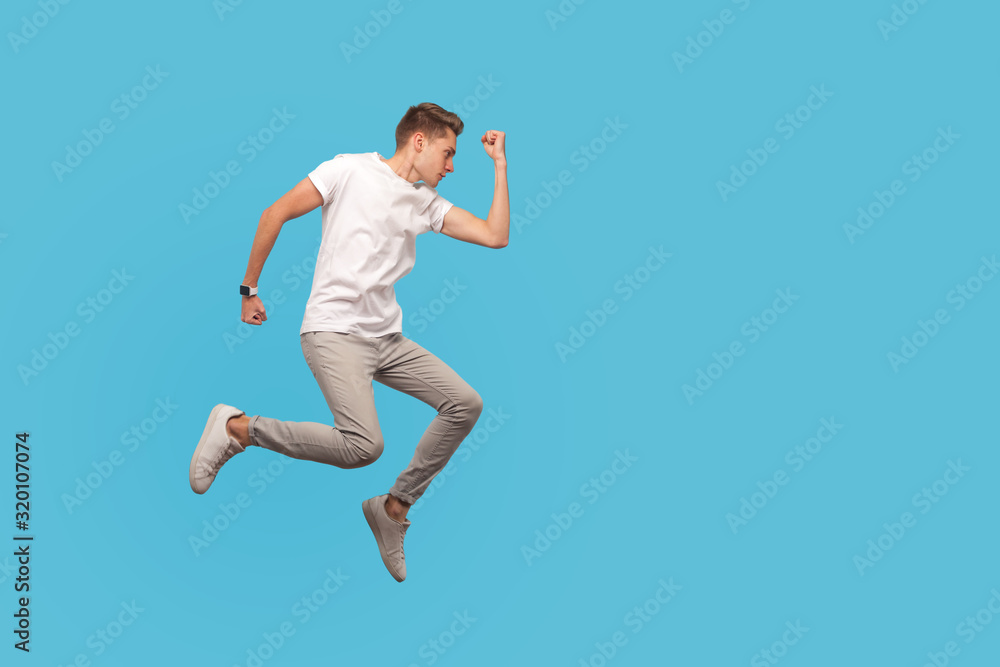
273 216
492 240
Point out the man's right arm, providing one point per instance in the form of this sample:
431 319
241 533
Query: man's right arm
301 199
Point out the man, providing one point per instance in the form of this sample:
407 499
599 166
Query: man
351 334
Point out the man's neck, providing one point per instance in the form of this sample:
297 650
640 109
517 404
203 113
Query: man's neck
402 165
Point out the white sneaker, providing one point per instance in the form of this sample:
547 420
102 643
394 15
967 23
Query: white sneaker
214 449
389 535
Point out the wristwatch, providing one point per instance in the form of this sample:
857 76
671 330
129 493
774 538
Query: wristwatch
246 290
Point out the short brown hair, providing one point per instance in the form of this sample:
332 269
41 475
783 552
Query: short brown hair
428 118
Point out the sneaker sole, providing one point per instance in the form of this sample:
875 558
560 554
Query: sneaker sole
370 518
213 417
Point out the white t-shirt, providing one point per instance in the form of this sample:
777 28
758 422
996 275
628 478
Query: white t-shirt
371 218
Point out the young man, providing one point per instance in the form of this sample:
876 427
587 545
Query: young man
351 334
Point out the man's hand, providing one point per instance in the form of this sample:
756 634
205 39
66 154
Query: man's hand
253 310
493 143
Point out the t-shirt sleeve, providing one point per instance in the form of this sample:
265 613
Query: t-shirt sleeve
439 206
327 177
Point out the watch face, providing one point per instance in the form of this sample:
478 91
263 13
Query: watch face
244 290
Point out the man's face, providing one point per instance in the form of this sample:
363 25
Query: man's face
436 160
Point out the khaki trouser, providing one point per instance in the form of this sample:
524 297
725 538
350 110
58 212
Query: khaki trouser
344 365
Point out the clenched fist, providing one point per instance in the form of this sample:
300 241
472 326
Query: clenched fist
493 143
253 310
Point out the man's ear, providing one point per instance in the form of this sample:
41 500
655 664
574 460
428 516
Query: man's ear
418 141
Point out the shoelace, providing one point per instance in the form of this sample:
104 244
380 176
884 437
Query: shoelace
402 536
229 452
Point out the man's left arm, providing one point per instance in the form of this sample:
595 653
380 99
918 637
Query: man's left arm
493 232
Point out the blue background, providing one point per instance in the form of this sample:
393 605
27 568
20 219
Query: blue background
169 334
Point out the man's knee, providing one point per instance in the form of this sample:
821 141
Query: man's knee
368 449
374 450
473 404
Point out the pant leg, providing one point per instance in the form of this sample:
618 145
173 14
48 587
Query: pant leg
409 368
343 365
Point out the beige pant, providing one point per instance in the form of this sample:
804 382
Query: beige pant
344 365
